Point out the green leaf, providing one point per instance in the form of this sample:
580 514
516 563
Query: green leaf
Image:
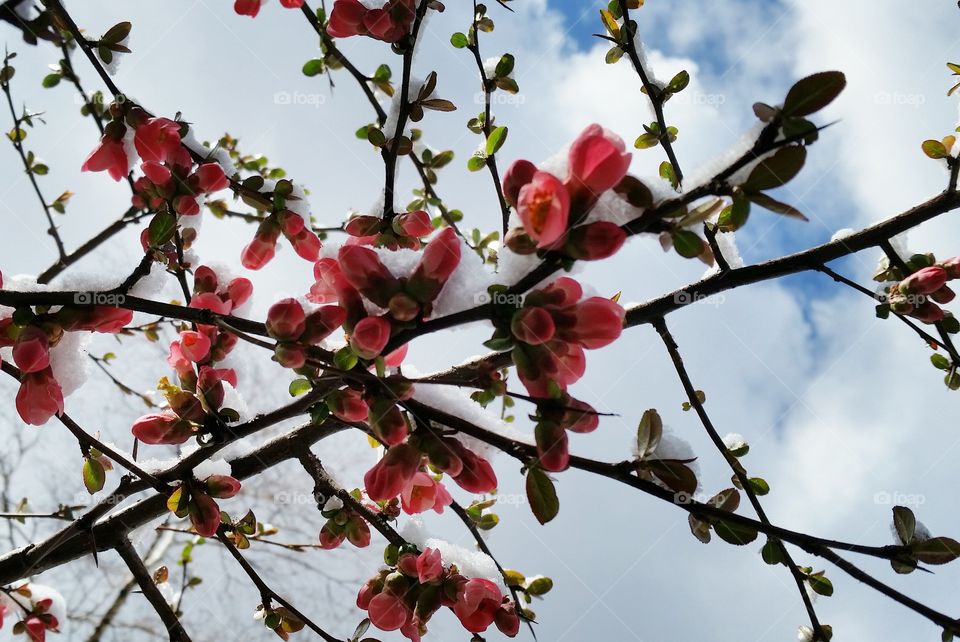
667 173
313 67
676 475
299 386
649 433
345 358
772 553
162 227
542 495
51 80
934 149
94 476
820 585
614 54
496 140
759 485
777 169
476 163
813 93
646 141
733 533
459 40
687 244
678 82
735 215
939 361
116 33
772 204
936 550
905 523
504 66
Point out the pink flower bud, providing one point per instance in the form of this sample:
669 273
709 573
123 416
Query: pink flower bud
348 405
544 208
239 291
290 355
195 346
162 428
552 451
389 475
363 270
286 320
943 296
506 619
204 515
210 178
387 421
321 323
388 612
437 263
204 279
952 266
306 244
924 281
395 358
358 533
370 336
928 312
39 397
31 351
222 486
517 175
429 566
594 241
532 325
595 323
477 475
262 248
579 416
598 160
520 242
210 384
415 224
331 535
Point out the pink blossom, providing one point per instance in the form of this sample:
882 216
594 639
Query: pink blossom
429 566
222 486
389 475
158 139
544 208
210 178
110 156
195 346
423 493
286 320
39 397
31 351
162 428
598 160
388 612
477 604
370 336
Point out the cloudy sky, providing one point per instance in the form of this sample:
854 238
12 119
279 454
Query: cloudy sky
843 411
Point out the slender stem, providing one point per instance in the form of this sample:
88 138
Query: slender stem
170 620
673 350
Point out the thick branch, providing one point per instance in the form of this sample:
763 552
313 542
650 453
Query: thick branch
150 591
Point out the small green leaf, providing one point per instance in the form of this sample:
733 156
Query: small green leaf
504 66
777 169
687 244
678 82
496 140
313 67
476 163
820 585
733 533
813 93
936 550
772 553
299 386
905 523
51 80
162 227
934 149
116 33
459 40
649 433
542 495
94 475
939 361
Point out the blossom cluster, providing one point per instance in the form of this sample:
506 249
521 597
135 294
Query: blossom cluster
405 596
553 212
32 334
389 23
921 293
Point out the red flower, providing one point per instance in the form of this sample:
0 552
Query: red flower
39 397
517 175
544 207
247 7
388 612
924 281
204 515
598 160
222 486
31 351
347 405
533 325
423 493
110 156
346 19
595 323
292 4
262 248
389 475
210 178
437 263
362 269
552 451
429 566
195 346
158 139
415 224
594 241
477 603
